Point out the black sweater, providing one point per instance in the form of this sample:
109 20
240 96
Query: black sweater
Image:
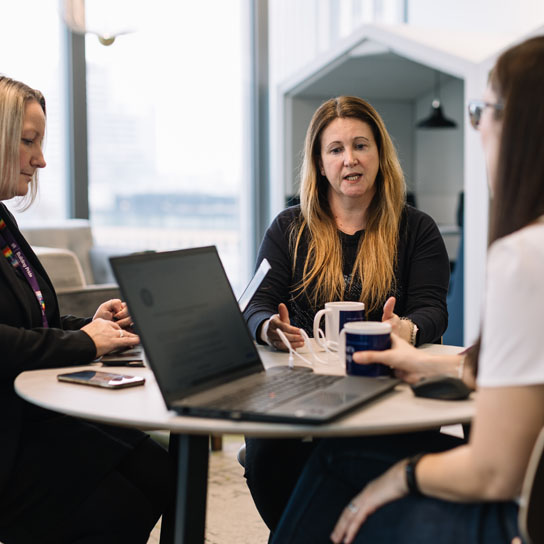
422 275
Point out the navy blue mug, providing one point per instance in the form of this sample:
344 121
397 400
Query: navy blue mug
366 336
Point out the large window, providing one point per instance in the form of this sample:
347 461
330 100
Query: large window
31 51
167 116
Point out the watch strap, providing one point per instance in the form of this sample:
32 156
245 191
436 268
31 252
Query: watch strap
410 471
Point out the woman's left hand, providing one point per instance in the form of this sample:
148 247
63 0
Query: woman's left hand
389 316
389 487
400 327
114 310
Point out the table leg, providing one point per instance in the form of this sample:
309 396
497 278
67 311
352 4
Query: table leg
185 522
216 442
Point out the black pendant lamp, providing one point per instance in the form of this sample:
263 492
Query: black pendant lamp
436 118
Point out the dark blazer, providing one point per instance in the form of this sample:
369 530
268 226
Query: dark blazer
26 345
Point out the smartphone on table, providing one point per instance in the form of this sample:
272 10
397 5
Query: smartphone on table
97 378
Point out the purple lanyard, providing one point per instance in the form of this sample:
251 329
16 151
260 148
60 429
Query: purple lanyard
14 254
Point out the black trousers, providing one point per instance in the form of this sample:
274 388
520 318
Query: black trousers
121 506
272 469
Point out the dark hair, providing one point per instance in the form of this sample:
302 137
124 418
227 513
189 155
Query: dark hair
518 81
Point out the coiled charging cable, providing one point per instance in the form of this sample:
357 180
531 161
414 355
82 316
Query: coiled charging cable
307 341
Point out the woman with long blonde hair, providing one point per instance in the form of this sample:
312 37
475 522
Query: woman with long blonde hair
354 238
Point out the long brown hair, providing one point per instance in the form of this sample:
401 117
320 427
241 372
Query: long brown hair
518 82
323 279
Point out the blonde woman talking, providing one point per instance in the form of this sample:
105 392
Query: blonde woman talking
353 238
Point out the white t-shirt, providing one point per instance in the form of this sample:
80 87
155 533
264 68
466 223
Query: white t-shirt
512 351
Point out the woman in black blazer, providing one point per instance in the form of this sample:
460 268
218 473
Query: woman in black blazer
61 479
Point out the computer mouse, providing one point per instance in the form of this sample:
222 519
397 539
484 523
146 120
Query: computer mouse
441 387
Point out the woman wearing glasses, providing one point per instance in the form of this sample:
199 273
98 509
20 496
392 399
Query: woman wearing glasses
352 493
62 480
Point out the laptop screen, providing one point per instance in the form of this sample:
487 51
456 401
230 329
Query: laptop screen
189 322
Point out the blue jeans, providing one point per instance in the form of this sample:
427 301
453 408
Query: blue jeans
339 468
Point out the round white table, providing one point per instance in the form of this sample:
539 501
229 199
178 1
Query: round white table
143 407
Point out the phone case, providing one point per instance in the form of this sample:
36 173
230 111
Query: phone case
109 380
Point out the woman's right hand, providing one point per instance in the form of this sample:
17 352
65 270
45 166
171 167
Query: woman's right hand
281 321
108 336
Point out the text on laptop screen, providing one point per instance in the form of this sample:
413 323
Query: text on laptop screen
187 316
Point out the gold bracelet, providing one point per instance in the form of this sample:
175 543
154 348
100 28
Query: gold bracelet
413 330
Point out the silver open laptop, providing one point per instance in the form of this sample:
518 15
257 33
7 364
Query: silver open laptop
202 354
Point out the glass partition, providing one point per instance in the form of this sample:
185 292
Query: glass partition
31 50
167 116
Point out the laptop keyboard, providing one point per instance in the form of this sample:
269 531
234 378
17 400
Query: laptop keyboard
274 391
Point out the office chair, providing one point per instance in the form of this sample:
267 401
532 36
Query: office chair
241 455
530 520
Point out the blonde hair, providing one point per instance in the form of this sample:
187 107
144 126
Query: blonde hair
376 257
14 96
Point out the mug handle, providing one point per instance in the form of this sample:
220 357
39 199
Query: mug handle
342 344
320 340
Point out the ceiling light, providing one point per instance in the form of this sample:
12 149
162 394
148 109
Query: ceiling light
436 118
105 18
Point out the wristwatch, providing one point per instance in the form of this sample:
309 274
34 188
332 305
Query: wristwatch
410 471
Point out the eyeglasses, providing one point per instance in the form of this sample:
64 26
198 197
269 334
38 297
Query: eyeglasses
476 108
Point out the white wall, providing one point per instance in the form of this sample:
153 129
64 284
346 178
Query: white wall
477 15
301 30
399 120
293 34
302 109
439 165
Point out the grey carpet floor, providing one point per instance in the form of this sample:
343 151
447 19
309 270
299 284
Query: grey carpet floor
231 517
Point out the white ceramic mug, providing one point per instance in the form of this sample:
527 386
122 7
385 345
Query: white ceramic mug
337 314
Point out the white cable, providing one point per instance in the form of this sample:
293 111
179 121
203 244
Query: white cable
291 350
325 344
307 341
314 355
